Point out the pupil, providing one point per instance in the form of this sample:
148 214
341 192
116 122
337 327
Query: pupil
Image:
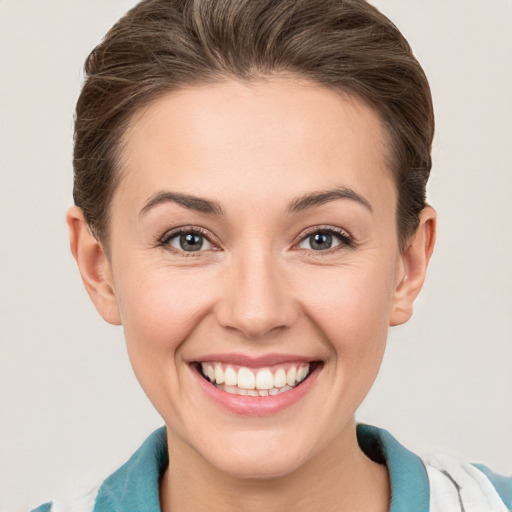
191 242
321 241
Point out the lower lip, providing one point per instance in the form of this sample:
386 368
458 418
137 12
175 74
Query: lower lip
257 405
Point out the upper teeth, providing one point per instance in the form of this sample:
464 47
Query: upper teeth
261 379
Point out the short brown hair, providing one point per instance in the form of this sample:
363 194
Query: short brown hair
163 45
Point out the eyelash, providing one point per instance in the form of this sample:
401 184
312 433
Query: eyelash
346 240
165 240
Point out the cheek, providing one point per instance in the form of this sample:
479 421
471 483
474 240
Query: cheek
351 295
160 308
351 307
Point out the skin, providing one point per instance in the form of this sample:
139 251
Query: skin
258 287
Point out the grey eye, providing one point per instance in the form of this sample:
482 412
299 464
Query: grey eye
321 241
190 242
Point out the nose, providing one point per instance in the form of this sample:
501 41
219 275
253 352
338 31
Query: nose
256 300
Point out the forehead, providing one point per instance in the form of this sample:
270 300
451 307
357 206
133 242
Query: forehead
259 140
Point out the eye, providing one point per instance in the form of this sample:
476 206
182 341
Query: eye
187 241
325 239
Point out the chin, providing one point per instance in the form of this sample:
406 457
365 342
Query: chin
262 467
256 458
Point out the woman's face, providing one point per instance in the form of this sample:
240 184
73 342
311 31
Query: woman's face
253 238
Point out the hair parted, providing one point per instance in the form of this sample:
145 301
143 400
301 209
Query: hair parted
163 45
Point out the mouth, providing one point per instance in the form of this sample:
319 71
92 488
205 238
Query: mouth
256 382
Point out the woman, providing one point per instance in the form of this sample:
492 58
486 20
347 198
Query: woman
250 206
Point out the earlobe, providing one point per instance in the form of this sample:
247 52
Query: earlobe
415 259
93 265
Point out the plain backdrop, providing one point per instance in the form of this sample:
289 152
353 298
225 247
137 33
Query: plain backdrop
70 409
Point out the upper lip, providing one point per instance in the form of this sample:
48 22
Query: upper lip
254 361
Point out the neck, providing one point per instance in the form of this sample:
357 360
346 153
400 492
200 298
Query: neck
340 478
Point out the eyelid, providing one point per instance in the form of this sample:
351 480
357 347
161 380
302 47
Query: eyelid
164 240
346 239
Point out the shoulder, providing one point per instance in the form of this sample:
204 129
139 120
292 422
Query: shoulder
134 486
80 501
47 507
462 486
437 483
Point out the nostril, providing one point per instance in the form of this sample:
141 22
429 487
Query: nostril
253 324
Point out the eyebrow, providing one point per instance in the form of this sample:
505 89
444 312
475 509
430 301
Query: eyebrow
186 200
318 198
299 204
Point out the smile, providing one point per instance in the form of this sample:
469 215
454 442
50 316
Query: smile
245 381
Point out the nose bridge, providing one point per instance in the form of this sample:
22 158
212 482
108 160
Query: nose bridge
256 301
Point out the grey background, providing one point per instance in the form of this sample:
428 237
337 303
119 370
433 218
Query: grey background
70 409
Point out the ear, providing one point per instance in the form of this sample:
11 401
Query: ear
93 265
415 260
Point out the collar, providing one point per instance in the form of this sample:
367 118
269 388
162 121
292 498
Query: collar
410 490
134 486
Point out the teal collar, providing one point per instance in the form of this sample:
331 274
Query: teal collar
410 490
134 486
